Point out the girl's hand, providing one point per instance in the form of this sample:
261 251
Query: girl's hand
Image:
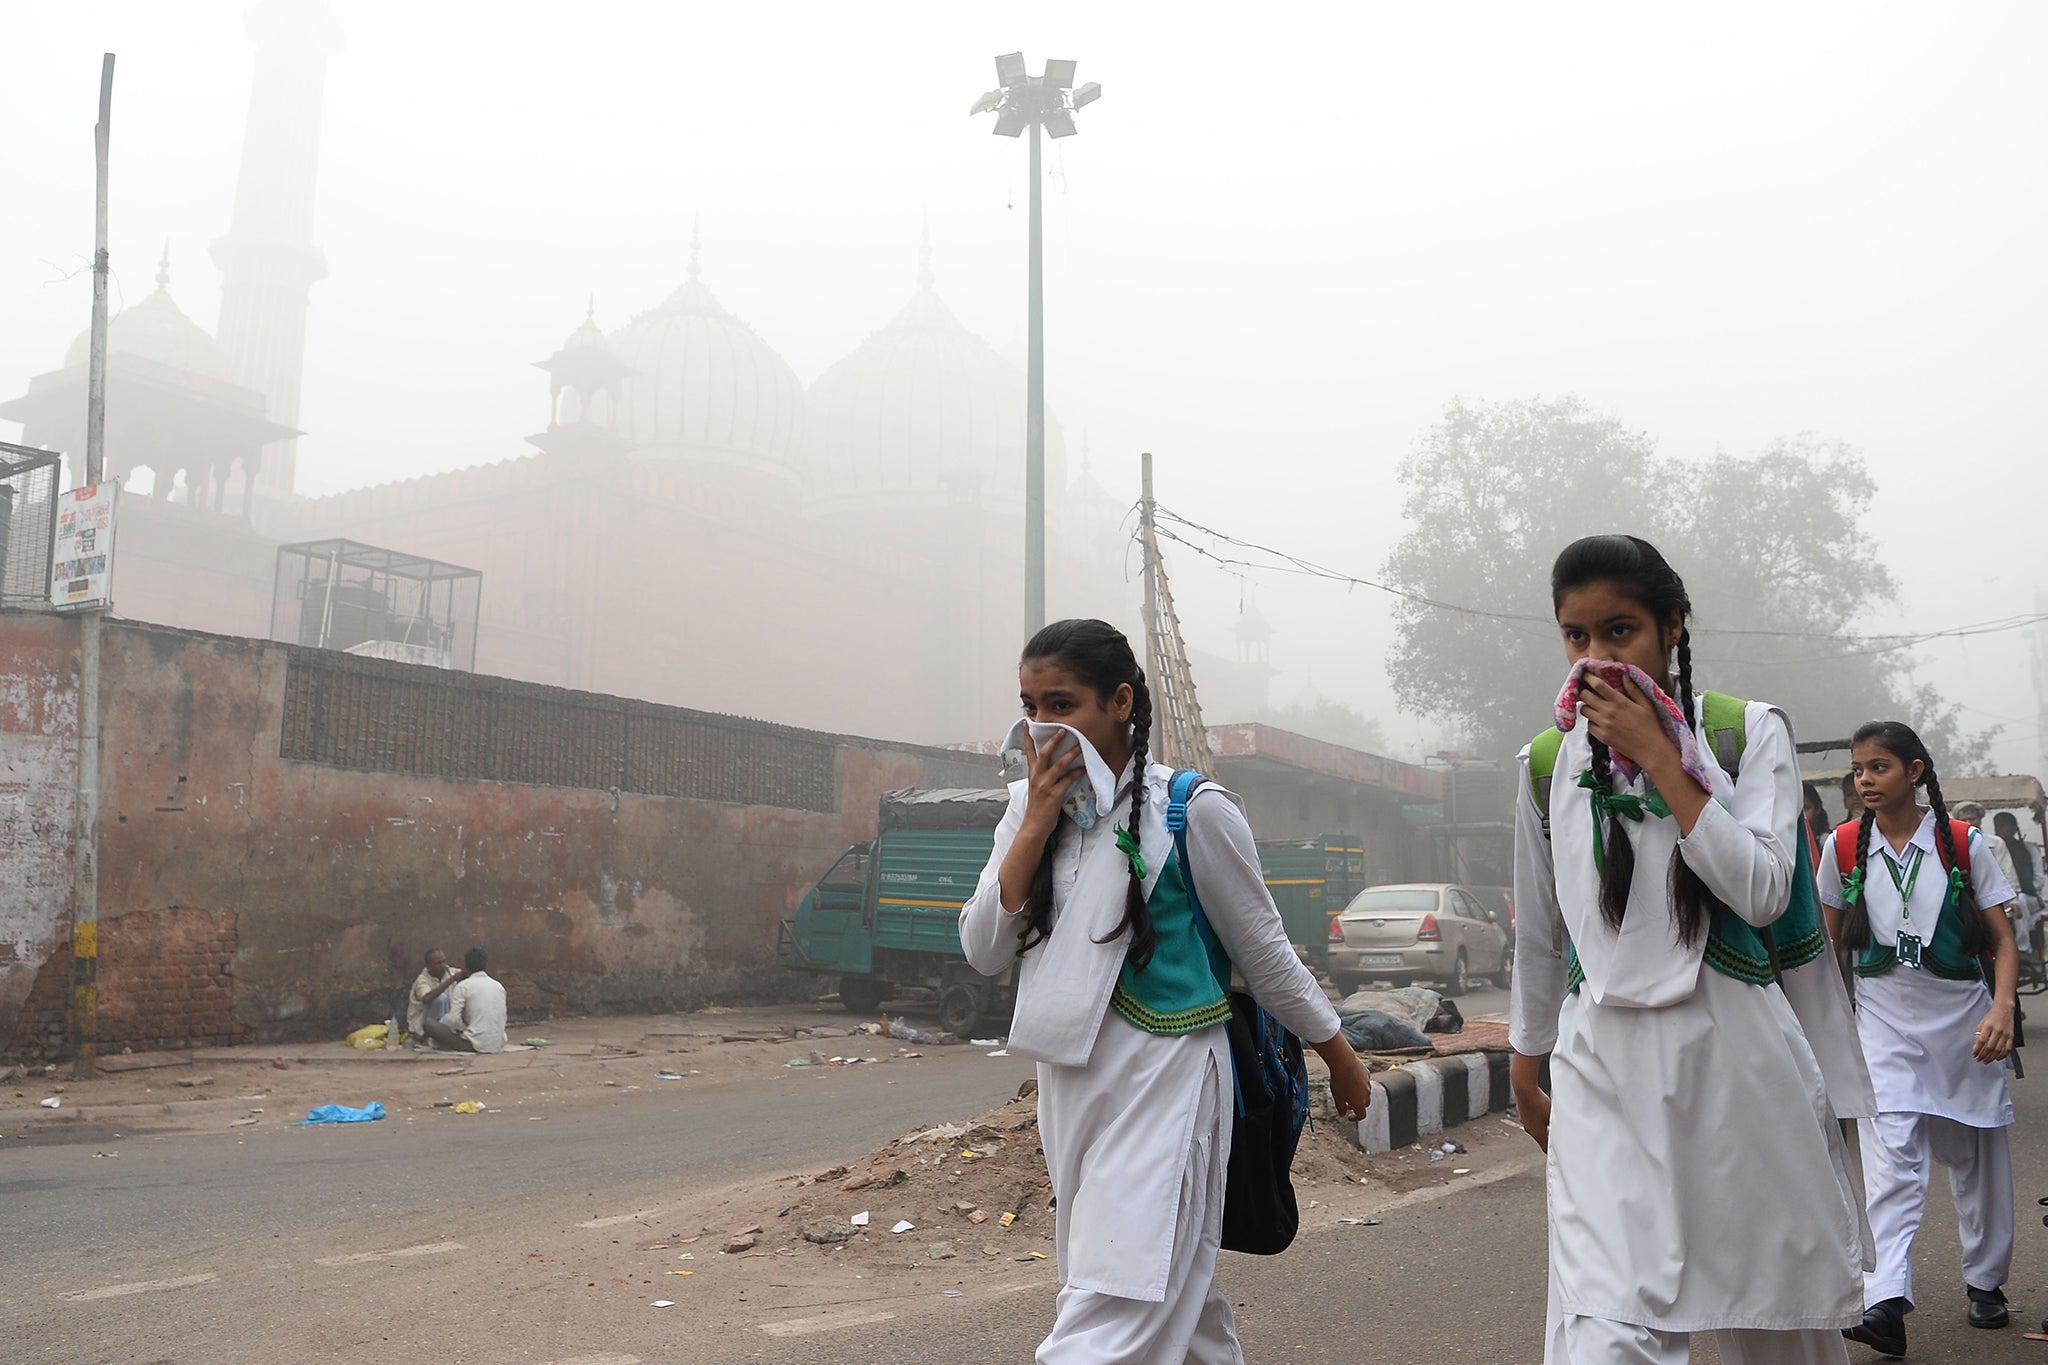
1351 1089
1050 777
1626 721
1993 1042
1531 1104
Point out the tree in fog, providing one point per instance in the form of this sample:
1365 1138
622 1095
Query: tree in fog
1770 547
1329 720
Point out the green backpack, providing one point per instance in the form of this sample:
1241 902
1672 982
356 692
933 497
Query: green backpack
1735 947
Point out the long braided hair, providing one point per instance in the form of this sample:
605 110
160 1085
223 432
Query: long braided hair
1635 568
1100 656
1902 742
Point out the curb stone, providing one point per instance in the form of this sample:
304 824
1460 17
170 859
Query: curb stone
1427 1096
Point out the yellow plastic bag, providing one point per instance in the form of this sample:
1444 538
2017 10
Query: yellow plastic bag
469 1107
369 1036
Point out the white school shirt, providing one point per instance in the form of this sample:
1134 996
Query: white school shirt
1741 846
1918 1028
1064 983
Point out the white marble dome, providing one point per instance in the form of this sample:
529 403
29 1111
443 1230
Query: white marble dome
157 330
922 413
702 386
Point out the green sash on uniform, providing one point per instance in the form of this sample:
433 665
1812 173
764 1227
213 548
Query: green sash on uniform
1181 989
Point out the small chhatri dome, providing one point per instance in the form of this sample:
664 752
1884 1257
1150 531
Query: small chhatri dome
157 330
703 386
923 413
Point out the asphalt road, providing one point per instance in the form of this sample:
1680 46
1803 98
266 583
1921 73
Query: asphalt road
453 1241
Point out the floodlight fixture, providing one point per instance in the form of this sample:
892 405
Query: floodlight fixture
1087 94
992 100
1059 74
1011 122
1010 69
1060 123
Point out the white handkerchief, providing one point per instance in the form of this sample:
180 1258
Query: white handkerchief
1086 802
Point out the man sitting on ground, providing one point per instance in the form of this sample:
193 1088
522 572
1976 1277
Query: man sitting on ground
430 995
476 1010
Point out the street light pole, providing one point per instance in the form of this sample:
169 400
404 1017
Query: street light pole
1045 102
1034 415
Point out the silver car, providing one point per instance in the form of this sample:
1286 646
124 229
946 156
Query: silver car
1418 931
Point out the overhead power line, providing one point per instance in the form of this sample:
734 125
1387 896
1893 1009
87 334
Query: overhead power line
1281 561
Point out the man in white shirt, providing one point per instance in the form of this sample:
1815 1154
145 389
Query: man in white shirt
430 994
476 1010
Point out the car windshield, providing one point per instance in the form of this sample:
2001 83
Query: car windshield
1392 900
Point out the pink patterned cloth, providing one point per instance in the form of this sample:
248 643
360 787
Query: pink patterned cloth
1613 673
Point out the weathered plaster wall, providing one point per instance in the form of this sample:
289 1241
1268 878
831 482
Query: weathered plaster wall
38 805
244 894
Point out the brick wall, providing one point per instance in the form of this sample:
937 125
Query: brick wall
246 893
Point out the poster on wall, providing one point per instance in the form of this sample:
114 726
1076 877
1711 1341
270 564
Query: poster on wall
82 570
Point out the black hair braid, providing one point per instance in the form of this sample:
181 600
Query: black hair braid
1856 918
1976 936
1037 909
1137 912
1618 868
1693 902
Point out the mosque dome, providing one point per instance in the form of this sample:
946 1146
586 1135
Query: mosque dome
700 385
157 330
923 413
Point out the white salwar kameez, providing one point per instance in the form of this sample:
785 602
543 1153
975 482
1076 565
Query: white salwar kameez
1697 1175
1936 1103
1136 1126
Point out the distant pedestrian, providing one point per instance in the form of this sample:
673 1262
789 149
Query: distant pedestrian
1936 1036
1852 804
2026 878
1123 1005
1818 822
1698 1177
476 1010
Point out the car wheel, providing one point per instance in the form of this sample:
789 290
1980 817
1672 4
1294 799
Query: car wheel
1346 984
1461 977
1505 978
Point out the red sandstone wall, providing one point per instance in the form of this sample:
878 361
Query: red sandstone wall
242 894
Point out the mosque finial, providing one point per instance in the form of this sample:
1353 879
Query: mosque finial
163 267
696 246
924 257
590 312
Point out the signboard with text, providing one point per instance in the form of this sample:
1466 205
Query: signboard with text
82 571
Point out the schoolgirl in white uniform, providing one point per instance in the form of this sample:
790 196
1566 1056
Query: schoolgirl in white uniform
1697 1176
1122 1006
1935 1037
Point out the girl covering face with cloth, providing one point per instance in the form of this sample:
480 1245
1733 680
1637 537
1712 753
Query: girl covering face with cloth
1696 1172
1122 1006
1922 928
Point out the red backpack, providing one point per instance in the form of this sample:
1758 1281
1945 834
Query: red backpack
1849 831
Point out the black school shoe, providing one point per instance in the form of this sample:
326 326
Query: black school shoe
1883 1328
1987 1307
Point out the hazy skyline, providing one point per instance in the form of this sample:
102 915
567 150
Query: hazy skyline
1275 251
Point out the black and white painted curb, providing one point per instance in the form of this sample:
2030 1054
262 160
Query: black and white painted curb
1431 1094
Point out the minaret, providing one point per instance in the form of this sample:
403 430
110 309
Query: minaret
268 261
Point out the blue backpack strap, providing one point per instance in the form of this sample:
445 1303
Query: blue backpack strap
1178 793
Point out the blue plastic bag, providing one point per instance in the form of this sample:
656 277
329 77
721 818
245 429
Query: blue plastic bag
341 1113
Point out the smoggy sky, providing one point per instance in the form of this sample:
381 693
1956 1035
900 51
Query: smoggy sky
1285 237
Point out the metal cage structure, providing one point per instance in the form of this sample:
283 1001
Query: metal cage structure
28 522
386 604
